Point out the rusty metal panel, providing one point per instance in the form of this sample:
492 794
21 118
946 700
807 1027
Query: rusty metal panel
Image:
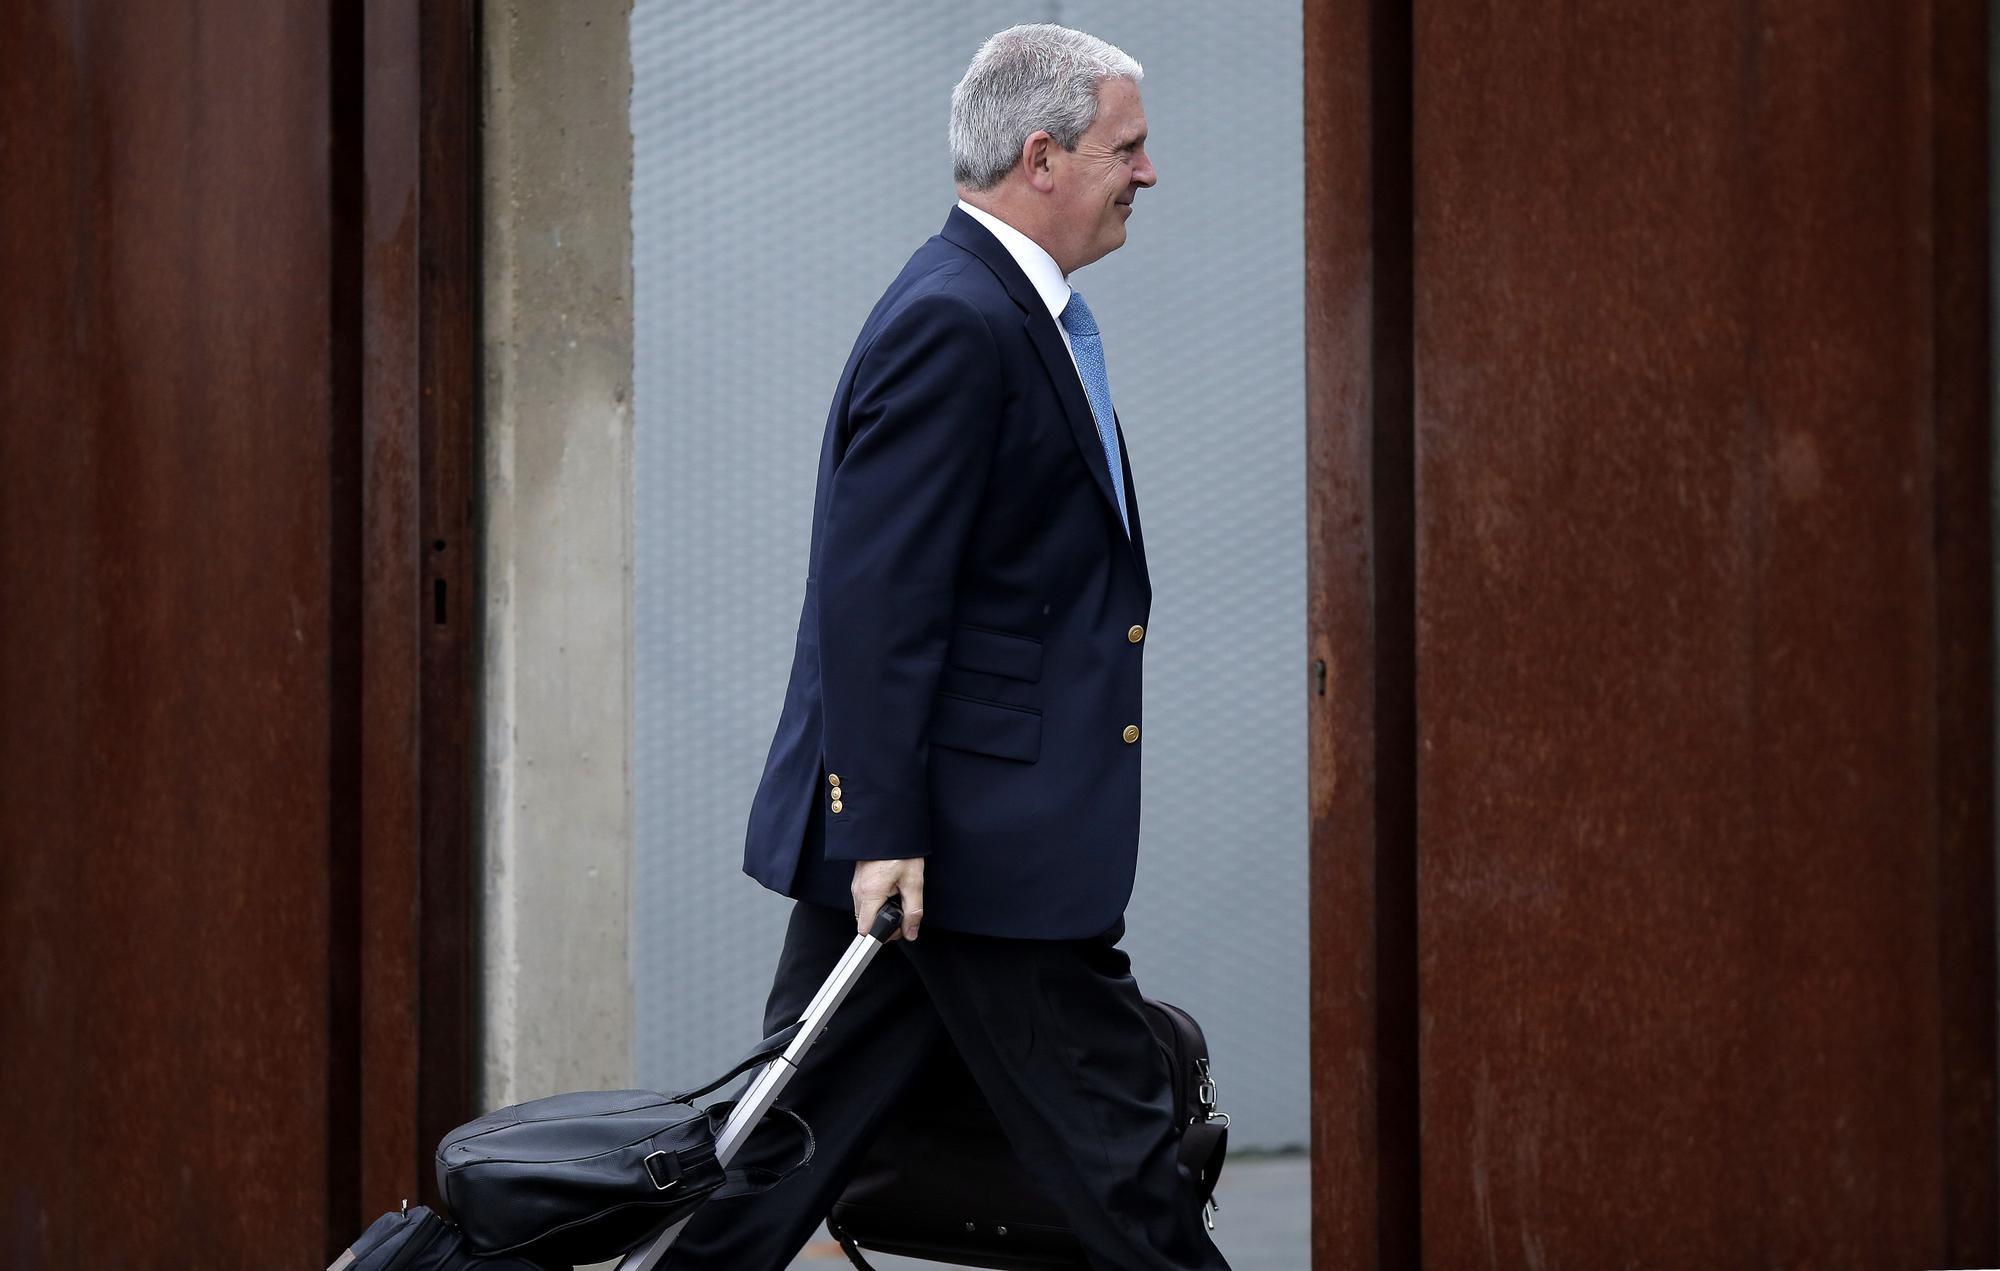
391 604
1691 979
164 720
1361 674
416 469
236 465
448 604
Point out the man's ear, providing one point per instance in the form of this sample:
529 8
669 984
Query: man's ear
1038 161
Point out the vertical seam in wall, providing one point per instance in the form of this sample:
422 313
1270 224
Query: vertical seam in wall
345 123
1393 511
1961 461
476 610
1992 12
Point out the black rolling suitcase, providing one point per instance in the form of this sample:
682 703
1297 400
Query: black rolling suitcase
940 1181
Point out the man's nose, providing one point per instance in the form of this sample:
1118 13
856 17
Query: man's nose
1145 174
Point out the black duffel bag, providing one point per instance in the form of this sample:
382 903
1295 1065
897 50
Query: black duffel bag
585 1177
940 1181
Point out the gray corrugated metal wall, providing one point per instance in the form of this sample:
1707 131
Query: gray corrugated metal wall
788 160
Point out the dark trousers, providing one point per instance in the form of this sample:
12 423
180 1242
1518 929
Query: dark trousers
1052 1031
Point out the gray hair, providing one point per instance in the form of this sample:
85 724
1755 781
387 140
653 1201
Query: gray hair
1027 79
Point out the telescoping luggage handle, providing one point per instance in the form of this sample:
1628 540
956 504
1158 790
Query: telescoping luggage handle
769 1083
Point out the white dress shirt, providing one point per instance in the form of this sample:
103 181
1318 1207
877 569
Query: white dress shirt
1038 265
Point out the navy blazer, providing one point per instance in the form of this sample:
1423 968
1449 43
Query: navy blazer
966 685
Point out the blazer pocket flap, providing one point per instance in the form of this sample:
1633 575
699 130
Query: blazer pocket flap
996 653
989 728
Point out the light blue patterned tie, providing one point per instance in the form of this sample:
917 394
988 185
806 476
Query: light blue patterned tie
1089 350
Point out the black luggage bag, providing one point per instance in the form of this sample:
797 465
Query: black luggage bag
940 1181
573 1178
585 1177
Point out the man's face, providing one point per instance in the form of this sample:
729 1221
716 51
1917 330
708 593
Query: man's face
1096 181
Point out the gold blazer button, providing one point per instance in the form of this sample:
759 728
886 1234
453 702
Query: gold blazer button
836 805
1131 733
1136 634
833 778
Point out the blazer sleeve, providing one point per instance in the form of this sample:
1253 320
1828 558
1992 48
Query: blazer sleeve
923 422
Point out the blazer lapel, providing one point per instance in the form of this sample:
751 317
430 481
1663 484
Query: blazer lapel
1047 339
1132 510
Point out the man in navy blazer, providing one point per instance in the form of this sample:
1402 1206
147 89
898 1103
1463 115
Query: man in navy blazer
965 694
963 720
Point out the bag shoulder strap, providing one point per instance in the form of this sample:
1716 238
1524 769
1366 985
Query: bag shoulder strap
762 1053
1204 1147
748 1180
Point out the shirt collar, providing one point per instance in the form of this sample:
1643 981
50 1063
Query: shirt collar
1037 264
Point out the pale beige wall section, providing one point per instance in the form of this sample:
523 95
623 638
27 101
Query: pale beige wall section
557 737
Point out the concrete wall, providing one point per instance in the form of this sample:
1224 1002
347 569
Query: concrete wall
557 1000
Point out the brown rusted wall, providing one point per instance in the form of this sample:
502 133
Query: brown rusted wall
235 387
1702 682
165 432
1361 718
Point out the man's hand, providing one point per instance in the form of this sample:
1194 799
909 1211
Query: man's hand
876 881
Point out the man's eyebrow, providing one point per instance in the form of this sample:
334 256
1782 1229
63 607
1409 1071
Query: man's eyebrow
1133 142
